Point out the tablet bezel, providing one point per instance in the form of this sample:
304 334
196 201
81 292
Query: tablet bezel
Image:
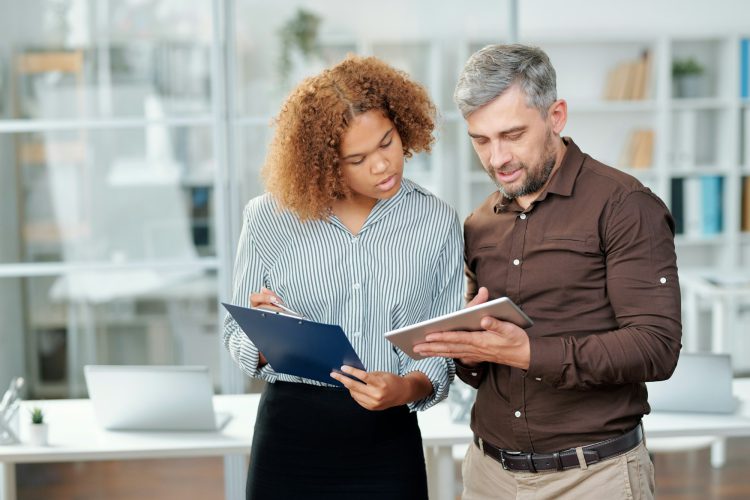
464 320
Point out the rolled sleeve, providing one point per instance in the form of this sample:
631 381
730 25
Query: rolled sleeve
472 375
448 286
248 276
440 371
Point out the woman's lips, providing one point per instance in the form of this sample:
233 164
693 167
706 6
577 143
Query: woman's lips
387 184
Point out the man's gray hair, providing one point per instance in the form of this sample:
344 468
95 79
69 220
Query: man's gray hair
492 70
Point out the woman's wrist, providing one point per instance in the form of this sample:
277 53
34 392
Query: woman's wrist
418 386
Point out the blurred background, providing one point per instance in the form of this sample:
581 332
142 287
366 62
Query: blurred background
132 133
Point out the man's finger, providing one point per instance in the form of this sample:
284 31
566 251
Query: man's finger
480 298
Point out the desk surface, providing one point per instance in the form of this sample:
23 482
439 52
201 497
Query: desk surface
74 434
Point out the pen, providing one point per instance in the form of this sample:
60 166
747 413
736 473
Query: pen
286 309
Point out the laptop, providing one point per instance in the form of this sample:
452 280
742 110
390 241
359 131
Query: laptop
701 383
153 398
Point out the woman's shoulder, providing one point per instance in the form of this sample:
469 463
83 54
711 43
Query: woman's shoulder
265 210
427 202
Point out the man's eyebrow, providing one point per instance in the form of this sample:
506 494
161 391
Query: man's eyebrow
347 157
512 130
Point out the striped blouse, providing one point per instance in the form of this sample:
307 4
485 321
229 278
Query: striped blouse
404 266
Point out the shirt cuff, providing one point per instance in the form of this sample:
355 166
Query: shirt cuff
472 375
439 377
546 361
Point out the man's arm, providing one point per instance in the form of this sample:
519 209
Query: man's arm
643 289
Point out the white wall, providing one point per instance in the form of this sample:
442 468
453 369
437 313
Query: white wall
637 17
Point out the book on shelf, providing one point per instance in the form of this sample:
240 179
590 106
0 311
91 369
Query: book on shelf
639 150
692 206
711 196
745 68
685 131
745 219
629 80
677 204
696 204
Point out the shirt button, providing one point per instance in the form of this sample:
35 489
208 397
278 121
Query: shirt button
473 374
517 414
662 280
355 239
516 262
522 216
538 379
356 334
356 286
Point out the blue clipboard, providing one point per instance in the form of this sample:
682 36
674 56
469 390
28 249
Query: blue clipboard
297 346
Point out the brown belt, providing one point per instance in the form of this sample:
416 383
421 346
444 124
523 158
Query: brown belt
566 459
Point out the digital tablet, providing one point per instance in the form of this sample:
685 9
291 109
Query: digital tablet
464 320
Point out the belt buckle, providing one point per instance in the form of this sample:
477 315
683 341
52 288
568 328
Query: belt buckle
502 457
502 460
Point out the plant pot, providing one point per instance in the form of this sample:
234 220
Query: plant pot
38 434
690 86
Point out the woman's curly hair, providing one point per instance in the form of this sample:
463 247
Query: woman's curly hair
302 165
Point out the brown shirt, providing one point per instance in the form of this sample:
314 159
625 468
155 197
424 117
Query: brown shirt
592 262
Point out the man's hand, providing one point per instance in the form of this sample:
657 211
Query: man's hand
383 390
500 342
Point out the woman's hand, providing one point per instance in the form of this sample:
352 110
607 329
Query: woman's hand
383 390
267 300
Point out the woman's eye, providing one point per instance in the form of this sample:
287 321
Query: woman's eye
383 146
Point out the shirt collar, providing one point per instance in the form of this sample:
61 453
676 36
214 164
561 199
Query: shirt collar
382 207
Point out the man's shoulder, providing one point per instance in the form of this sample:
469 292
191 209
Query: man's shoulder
608 179
480 213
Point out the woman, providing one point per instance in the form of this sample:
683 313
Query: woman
341 237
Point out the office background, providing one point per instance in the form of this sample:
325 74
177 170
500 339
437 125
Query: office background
132 133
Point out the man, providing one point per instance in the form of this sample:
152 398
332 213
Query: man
588 253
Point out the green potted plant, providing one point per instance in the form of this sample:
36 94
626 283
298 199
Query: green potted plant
38 430
687 75
299 43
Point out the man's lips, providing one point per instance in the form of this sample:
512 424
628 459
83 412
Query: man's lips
508 175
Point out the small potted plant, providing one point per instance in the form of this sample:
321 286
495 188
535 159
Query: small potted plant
38 430
687 75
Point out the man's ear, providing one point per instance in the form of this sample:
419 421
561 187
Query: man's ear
558 115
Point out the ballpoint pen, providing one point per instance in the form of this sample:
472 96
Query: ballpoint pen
285 308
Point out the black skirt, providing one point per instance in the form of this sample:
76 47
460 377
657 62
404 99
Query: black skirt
317 442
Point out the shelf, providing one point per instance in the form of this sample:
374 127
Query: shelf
699 170
701 103
697 240
612 106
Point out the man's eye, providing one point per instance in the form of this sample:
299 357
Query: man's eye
514 137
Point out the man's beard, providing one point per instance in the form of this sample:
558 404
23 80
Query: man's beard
536 178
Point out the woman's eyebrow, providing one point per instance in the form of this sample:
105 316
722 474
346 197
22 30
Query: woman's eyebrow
365 154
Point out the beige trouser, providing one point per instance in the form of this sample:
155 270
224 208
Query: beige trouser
629 476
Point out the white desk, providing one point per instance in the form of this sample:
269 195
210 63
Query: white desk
74 436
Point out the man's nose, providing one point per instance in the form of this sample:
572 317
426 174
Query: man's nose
499 155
